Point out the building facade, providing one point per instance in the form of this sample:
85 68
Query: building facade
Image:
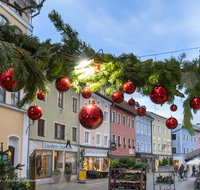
95 144
123 130
49 135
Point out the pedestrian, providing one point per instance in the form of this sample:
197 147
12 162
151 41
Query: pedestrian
180 170
193 170
176 169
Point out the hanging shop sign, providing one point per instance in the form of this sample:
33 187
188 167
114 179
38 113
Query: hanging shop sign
113 146
96 152
58 146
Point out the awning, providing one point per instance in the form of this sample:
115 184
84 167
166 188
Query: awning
192 155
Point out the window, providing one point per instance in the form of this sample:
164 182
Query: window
129 142
74 105
142 146
191 138
74 132
85 103
124 120
159 130
168 149
149 130
191 149
129 122
149 147
71 160
183 136
18 6
60 99
118 118
168 132
138 146
59 131
145 120
15 97
159 146
154 128
40 131
158 120
105 116
138 127
124 141
183 150
3 20
114 138
163 130
141 119
141 128
194 139
98 139
99 103
145 130
113 117
105 140
87 137
173 150
133 142
154 146
138 118
186 137
119 139
174 137
187 150
149 122
106 106
2 94
145 147
133 123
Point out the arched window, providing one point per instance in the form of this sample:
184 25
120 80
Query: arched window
3 20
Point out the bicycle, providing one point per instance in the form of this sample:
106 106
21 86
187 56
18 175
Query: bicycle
182 175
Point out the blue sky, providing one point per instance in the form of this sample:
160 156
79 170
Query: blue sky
141 27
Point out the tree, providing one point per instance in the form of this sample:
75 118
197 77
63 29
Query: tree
31 5
36 64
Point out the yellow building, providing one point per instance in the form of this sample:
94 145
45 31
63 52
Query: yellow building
14 121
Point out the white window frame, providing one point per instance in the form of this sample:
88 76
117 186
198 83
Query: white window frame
168 132
98 103
106 106
129 140
191 149
141 128
138 127
164 130
145 147
105 111
129 122
188 150
113 114
104 140
184 152
168 148
133 142
154 147
145 120
138 118
138 146
99 139
89 138
118 139
154 128
142 146
145 130
158 120
124 120
159 131
159 147
114 140
133 124
187 138
124 142
119 118
149 147
149 130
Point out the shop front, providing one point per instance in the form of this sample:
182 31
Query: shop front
50 156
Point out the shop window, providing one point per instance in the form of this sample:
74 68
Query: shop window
43 163
60 99
2 95
15 97
133 123
74 130
41 124
71 161
75 105
59 131
113 117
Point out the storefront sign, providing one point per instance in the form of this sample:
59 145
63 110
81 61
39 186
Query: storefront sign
131 151
56 146
96 152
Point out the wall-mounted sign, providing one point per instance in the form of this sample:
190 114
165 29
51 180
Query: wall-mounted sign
131 151
58 146
112 145
96 152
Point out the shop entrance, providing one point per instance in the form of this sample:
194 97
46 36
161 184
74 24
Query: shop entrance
58 160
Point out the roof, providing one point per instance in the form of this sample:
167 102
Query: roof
156 114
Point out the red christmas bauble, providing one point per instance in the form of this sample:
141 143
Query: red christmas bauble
34 112
86 93
6 81
129 88
62 84
40 96
131 102
141 111
173 107
171 123
117 97
195 103
158 95
97 68
90 116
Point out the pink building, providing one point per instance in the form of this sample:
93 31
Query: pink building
95 144
123 129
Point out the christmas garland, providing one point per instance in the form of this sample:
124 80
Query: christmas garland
36 64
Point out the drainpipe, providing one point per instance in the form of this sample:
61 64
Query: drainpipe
111 125
28 153
79 146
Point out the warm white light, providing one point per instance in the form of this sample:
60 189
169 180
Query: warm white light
83 64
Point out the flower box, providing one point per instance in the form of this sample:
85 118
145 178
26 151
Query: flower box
165 168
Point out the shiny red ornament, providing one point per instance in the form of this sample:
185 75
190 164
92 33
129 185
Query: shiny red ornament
195 103
173 107
129 88
40 96
97 68
131 102
158 95
6 81
62 84
86 93
141 111
90 116
34 112
171 123
117 97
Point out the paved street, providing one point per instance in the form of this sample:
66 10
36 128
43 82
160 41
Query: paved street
102 184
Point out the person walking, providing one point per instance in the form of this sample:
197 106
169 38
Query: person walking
193 170
176 169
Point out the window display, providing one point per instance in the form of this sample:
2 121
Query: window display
97 164
43 163
71 161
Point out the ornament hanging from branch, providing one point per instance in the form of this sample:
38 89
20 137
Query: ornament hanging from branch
129 88
173 107
34 112
97 68
195 103
117 97
131 102
141 111
86 93
62 84
158 95
171 123
40 96
91 116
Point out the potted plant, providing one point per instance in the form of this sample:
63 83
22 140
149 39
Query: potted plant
119 145
129 146
124 146
133 147
68 172
56 175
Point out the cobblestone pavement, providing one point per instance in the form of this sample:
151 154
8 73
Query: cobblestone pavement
102 184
